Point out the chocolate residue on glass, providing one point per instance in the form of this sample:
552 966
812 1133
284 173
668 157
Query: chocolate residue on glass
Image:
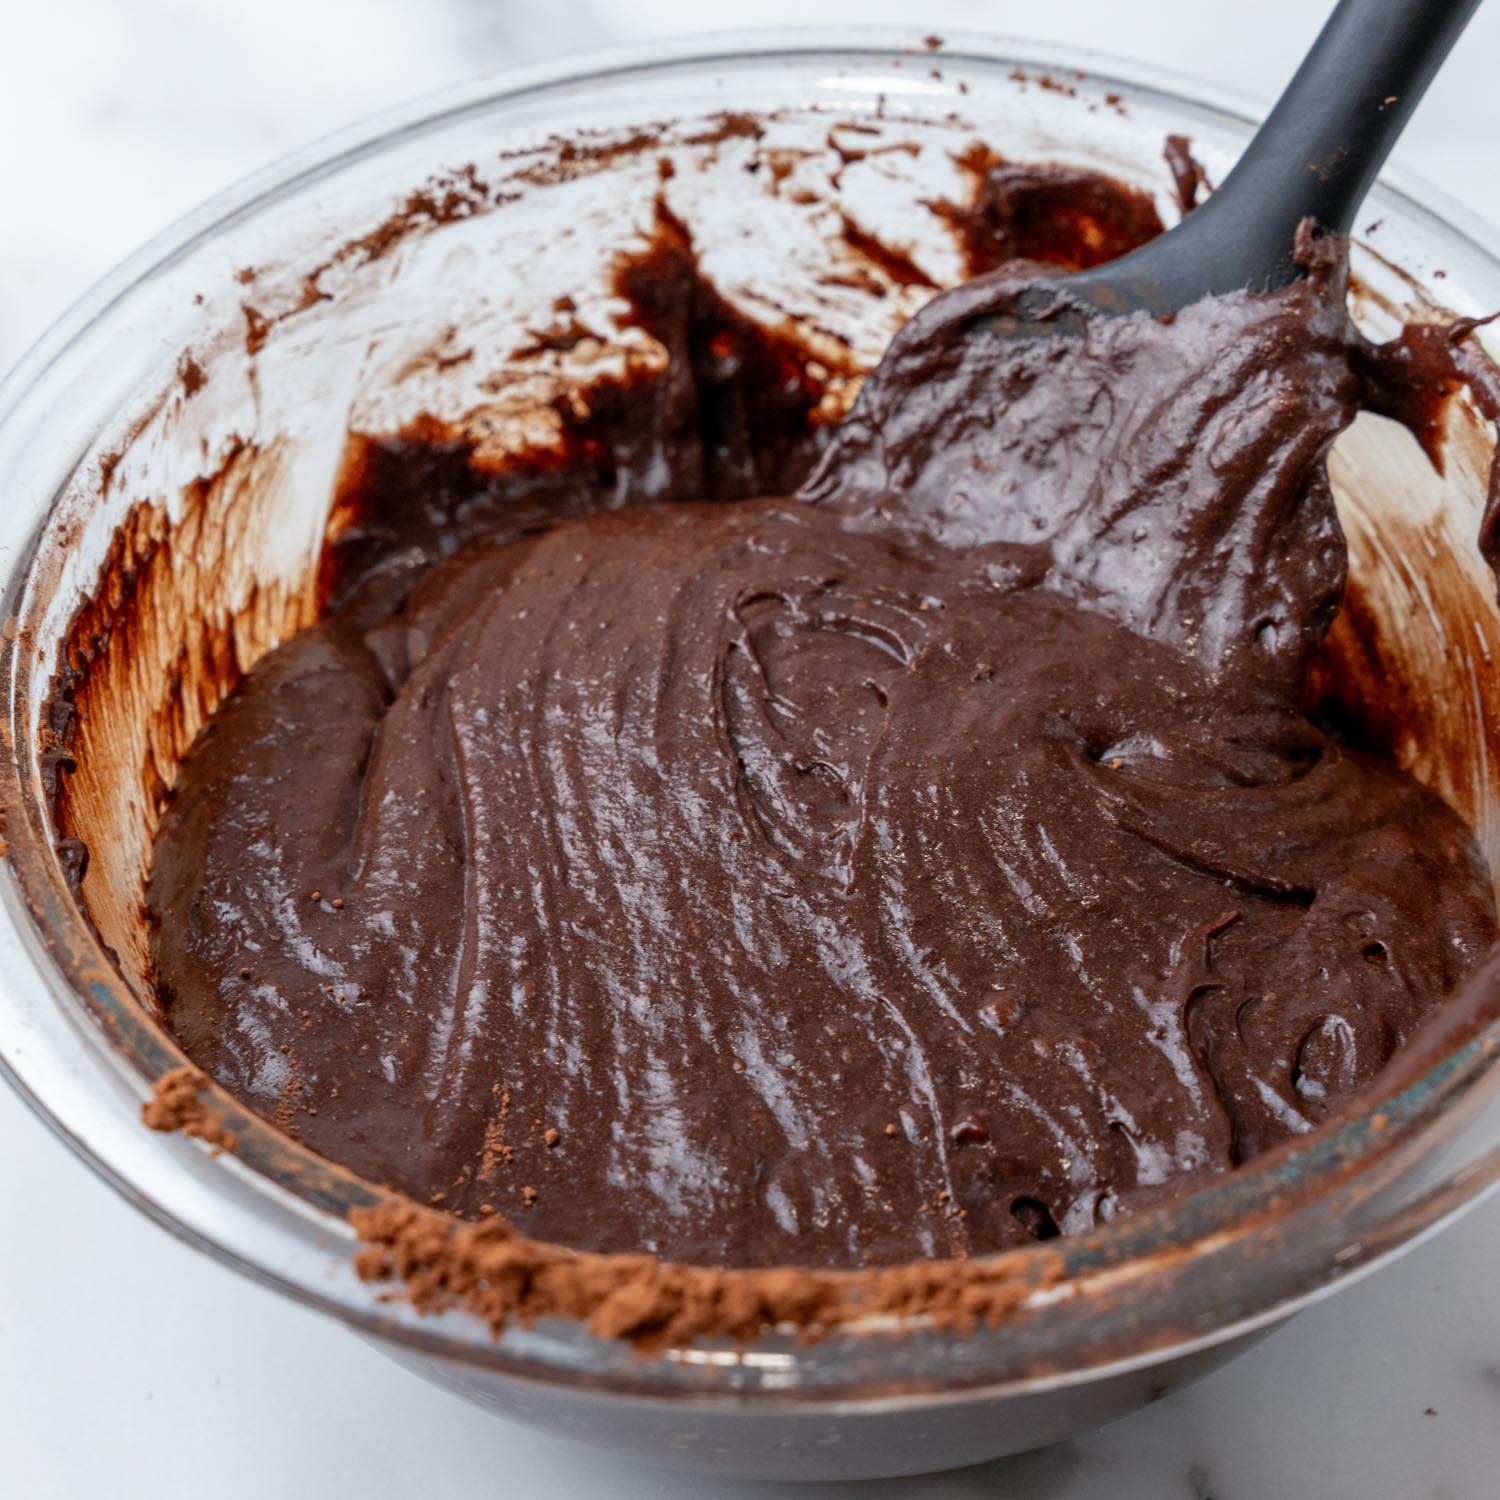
1058 215
1188 176
1412 378
927 861
159 613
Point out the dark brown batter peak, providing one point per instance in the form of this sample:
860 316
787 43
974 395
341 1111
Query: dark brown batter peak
1172 473
928 863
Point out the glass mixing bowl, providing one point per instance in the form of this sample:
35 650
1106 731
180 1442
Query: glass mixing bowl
178 433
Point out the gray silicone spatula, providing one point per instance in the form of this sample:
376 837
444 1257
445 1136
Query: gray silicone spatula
1314 158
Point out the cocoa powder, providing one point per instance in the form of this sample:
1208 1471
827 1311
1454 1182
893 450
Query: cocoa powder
175 1104
489 1270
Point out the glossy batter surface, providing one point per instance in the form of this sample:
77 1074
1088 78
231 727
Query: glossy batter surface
930 860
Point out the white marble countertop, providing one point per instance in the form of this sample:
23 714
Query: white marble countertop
132 1367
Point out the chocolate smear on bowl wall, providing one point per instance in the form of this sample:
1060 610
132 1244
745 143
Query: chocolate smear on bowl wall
1059 215
1188 177
154 647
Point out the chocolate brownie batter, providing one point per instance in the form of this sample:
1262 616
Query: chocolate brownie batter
931 859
